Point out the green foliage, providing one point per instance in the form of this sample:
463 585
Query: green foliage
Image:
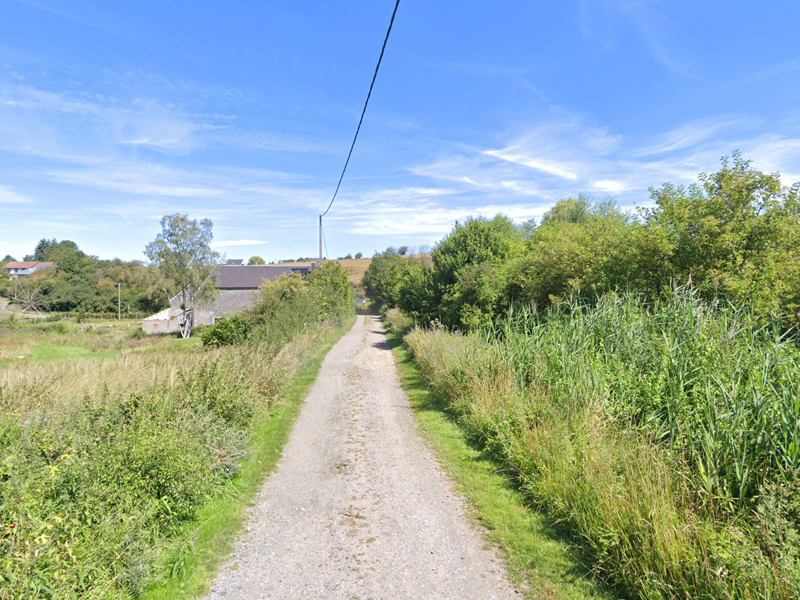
359 255
736 233
663 436
256 260
380 280
226 331
286 307
103 468
80 282
183 257
332 285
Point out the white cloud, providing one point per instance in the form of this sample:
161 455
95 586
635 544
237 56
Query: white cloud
609 185
545 166
693 133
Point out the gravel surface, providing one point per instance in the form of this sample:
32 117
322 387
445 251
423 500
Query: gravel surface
358 507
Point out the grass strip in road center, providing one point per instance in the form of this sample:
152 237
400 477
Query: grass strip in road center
540 559
222 519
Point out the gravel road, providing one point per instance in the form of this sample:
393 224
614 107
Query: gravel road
358 507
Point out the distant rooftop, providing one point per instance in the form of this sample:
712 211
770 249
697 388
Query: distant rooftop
28 264
250 277
234 261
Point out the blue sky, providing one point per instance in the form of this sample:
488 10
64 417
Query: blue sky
113 114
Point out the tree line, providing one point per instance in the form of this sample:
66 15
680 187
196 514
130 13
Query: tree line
83 282
180 259
734 234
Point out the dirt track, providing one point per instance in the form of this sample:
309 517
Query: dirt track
358 507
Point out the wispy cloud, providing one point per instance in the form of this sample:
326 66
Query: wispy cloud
140 179
565 156
513 155
659 50
9 196
693 133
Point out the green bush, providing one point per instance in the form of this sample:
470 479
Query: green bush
286 307
226 331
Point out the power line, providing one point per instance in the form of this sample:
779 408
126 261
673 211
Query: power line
363 112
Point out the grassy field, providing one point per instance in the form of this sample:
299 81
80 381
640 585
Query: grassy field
32 340
123 459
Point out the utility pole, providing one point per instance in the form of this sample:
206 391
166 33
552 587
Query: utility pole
320 240
119 301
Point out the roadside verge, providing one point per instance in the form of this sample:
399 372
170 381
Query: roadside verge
220 521
540 558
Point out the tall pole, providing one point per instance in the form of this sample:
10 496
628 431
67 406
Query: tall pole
320 240
119 301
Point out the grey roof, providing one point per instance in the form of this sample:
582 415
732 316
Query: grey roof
250 277
235 261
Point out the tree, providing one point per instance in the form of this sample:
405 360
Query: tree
736 232
359 255
381 277
256 260
184 260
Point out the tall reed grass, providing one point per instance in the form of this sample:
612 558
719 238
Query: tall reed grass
664 436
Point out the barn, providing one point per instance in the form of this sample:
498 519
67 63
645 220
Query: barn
237 284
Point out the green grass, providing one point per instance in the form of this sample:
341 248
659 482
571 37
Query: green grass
220 521
45 352
540 559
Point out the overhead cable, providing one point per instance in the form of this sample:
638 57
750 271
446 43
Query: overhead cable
363 112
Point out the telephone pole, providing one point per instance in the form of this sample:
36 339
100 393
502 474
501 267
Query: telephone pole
320 240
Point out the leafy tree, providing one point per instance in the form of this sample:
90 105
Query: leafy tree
736 232
359 255
184 259
414 291
402 250
527 228
478 241
336 296
382 275
256 260
570 210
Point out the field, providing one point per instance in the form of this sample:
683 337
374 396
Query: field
113 444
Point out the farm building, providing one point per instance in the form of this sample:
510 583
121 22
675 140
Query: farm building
237 284
26 267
